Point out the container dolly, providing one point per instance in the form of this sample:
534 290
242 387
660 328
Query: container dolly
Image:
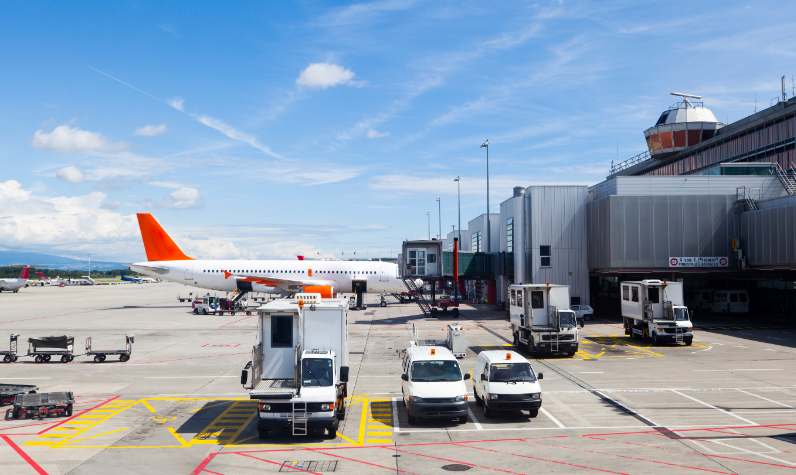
9 392
44 348
41 405
10 356
100 355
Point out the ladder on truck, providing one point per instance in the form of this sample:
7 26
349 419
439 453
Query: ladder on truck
299 418
420 297
678 334
554 344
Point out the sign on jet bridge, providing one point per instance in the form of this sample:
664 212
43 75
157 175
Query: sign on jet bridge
714 261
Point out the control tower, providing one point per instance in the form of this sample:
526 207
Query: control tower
683 125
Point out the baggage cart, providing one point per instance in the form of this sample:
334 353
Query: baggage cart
41 405
101 355
10 356
43 349
9 392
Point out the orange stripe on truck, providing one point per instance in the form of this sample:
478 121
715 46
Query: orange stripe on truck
157 243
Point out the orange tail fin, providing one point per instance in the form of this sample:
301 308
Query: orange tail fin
157 243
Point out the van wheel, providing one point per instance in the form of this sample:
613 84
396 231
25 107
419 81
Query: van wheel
688 340
533 413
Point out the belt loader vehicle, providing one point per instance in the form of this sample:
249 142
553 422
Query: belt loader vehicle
541 320
299 368
655 309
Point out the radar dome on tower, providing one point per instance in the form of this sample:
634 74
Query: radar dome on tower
683 125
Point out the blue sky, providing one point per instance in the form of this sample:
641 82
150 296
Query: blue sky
269 129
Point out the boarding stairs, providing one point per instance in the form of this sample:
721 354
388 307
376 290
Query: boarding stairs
300 419
420 297
787 179
237 298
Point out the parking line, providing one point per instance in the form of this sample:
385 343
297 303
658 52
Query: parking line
395 426
765 398
550 416
714 407
476 423
752 452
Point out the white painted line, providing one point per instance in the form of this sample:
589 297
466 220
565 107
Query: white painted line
208 376
26 379
475 420
752 452
201 394
766 399
393 393
550 416
714 407
396 427
736 369
592 372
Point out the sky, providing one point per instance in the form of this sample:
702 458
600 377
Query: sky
329 129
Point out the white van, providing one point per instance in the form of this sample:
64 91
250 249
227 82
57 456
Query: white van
730 301
432 384
505 381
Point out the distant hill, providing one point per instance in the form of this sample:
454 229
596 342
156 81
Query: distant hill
49 261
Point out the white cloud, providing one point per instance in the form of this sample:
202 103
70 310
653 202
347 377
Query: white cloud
376 134
65 138
325 75
151 130
70 173
182 196
235 134
177 103
30 220
361 11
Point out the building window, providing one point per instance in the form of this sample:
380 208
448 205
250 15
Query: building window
475 242
431 258
416 262
544 255
510 235
281 331
625 293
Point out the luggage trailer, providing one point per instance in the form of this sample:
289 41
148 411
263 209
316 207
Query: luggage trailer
10 355
9 392
41 405
101 355
43 349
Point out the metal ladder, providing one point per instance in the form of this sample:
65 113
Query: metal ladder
554 344
787 181
678 335
299 418
420 297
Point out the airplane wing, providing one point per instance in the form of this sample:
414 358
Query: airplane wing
279 283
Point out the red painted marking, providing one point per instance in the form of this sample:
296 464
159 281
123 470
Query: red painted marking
35 466
78 414
274 462
201 467
541 459
694 429
212 472
365 462
26 425
790 467
445 459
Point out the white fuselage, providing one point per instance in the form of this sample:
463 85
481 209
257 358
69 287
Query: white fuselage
381 277
12 285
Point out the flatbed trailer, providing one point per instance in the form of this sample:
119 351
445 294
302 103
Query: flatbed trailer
41 405
10 355
9 392
101 355
45 348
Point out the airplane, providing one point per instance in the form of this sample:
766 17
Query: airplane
138 280
13 285
166 261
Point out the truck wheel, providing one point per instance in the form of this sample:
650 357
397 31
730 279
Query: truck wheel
47 358
65 359
688 340
124 358
38 359
7 359
195 312
382 304
533 413
13 358
331 431
68 411
455 312
478 400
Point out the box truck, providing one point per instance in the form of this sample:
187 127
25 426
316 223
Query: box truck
655 309
299 368
541 320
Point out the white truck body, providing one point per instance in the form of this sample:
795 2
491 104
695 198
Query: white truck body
656 309
299 367
541 320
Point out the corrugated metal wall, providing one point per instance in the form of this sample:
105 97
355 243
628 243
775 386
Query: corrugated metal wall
557 216
644 231
768 235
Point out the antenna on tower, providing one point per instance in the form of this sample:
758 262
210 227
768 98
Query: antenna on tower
784 94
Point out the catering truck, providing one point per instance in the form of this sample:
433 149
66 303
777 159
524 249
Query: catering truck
655 309
541 320
298 373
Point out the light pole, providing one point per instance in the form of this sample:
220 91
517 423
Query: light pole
458 181
488 227
428 218
439 218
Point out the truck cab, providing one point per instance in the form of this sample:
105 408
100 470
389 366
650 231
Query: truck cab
541 320
432 384
655 309
505 381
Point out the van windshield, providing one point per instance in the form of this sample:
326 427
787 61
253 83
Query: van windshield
681 314
436 371
511 372
316 372
566 318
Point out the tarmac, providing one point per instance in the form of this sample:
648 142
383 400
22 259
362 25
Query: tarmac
726 404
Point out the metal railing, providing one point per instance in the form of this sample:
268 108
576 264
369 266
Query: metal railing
787 179
625 164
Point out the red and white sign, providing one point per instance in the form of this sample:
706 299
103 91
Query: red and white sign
709 261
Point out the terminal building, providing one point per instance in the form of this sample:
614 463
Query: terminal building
709 204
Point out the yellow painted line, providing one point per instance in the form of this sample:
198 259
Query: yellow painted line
180 439
346 438
380 441
382 433
362 421
71 442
